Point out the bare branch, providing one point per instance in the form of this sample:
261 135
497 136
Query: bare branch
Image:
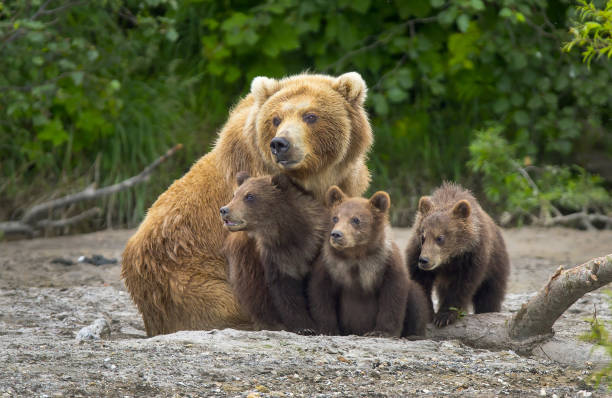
16 228
527 178
90 193
69 221
562 290
61 8
580 216
42 10
383 38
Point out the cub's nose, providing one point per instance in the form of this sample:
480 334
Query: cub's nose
423 260
336 234
279 145
224 210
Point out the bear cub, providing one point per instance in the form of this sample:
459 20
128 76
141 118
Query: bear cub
359 284
456 247
287 227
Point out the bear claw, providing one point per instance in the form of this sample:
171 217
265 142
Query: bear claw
445 318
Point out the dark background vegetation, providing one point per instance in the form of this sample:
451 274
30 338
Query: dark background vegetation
467 90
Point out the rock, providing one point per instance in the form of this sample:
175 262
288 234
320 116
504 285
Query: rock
97 259
99 329
62 261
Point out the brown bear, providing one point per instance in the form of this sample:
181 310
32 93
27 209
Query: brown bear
456 247
288 226
360 284
312 127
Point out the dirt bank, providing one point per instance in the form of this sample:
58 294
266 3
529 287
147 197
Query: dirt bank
43 305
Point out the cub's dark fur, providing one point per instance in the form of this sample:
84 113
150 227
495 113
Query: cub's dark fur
360 284
287 227
457 248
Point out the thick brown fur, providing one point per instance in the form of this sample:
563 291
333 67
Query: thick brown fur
360 284
287 226
248 281
456 247
173 266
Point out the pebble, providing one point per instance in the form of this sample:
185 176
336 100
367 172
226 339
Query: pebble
99 329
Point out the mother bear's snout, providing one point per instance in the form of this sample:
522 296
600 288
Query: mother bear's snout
279 145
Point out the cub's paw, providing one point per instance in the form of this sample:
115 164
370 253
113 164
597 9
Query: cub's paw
306 332
445 318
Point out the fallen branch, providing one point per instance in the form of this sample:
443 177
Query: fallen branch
30 223
583 217
91 193
532 325
16 228
69 221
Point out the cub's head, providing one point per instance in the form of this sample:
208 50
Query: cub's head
256 201
357 222
444 233
305 123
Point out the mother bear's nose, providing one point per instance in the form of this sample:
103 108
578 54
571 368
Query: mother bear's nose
279 145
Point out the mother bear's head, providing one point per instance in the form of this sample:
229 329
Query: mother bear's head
307 124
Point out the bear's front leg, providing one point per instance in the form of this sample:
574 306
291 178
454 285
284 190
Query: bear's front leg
455 291
392 298
323 301
288 295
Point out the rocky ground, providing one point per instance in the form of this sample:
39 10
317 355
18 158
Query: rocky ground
44 305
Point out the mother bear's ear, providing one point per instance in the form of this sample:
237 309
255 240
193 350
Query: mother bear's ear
263 87
352 87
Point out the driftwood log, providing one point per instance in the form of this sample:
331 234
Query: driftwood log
532 324
31 223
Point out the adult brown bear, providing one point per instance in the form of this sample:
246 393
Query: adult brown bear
312 127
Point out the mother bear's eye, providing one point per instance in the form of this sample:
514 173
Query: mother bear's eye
249 197
276 121
309 118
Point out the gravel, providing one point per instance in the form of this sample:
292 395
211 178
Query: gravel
44 356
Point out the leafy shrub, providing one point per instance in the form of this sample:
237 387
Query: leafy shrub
122 80
600 337
593 31
530 193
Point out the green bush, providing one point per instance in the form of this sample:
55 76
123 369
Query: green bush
593 31
533 193
121 81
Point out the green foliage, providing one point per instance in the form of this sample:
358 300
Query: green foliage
601 338
101 90
84 100
592 31
460 313
529 192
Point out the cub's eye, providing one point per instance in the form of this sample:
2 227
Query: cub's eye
249 197
355 220
335 219
309 118
276 121
440 239
422 238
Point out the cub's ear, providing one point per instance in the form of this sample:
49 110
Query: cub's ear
241 177
381 201
425 205
262 88
334 196
281 181
462 209
352 86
